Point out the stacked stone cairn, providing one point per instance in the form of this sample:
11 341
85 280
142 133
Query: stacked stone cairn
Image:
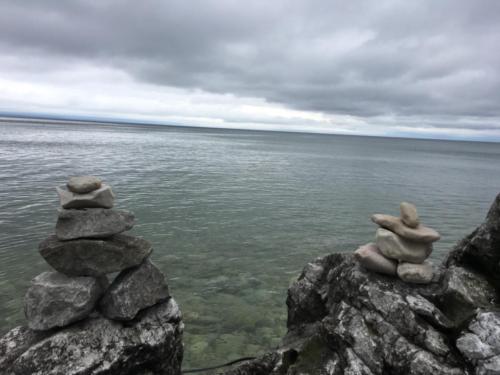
402 245
88 245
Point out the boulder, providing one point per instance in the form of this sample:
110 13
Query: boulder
151 344
133 290
55 300
92 223
100 198
409 214
83 184
396 225
416 273
370 257
481 249
396 247
480 343
86 257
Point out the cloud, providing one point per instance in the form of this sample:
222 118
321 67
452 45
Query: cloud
362 66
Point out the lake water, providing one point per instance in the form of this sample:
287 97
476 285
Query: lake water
233 215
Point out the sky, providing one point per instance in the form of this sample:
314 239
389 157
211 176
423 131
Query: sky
426 68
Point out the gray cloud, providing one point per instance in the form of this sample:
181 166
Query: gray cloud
365 58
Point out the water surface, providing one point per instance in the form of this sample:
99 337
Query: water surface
233 215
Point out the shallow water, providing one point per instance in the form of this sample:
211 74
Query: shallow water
233 215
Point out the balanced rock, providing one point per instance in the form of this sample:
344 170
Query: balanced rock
151 344
409 214
370 257
55 300
396 225
396 247
416 273
92 223
133 290
100 198
86 257
83 184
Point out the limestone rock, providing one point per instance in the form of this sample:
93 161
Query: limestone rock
100 198
396 225
133 290
370 257
92 223
83 184
151 344
396 247
55 300
480 344
85 257
416 273
409 214
481 249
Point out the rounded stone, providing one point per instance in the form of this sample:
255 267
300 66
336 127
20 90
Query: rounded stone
396 225
370 257
416 273
396 247
409 214
83 184
100 198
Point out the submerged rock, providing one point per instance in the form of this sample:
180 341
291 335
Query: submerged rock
370 257
396 247
409 214
134 290
396 225
85 257
55 300
100 198
416 273
83 184
92 223
151 344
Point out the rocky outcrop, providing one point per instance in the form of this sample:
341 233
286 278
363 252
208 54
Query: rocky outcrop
346 319
150 344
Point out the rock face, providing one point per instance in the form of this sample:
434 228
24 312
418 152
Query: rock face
134 290
396 225
95 257
100 198
370 257
416 273
83 184
92 223
345 319
409 214
55 300
396 247
151 344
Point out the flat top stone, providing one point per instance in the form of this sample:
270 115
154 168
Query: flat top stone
100 198
84 184
409 214
396 225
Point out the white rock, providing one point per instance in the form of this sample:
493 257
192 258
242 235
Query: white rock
100 198
370 257
409 214
416 273
396 247
84 184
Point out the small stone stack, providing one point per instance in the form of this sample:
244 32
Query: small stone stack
89 244
402 245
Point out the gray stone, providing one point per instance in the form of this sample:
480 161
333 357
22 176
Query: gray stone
480 344
16 342
409 214
416 273
100 198
86 257
55 300
396 247
396 225
83 184
370 257
151 344
92 223
133 290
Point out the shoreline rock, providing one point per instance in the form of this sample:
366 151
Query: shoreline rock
100 198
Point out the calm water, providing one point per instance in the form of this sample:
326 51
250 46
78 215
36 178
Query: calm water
233 215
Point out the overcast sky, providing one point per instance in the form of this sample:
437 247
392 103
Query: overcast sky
402 68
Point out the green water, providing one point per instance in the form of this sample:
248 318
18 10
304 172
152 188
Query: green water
233 215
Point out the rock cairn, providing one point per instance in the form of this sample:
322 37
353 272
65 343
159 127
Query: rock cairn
402 245
79 320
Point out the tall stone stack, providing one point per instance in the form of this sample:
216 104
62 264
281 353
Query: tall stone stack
402 245
129 324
